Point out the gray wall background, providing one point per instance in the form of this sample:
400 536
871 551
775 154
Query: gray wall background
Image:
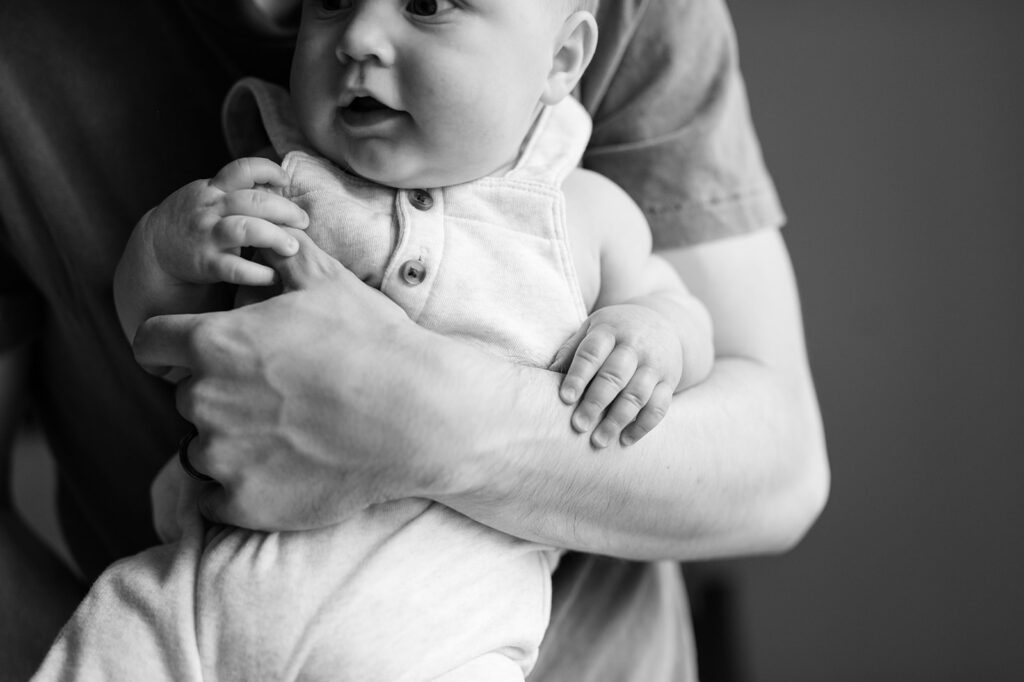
894 131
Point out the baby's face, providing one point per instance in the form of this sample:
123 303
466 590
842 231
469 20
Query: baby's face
422 93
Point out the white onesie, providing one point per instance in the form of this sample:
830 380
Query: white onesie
407 590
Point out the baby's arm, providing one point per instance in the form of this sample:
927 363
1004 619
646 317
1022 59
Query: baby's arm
183 253
647 338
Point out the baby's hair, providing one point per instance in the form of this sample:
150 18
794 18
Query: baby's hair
571 6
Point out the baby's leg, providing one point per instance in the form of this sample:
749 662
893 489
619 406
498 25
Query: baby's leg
406 591
136 623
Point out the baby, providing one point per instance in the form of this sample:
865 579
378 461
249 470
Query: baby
432 147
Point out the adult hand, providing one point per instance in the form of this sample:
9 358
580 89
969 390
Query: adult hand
295 398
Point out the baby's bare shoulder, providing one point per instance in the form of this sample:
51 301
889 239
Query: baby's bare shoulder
605 228
600 212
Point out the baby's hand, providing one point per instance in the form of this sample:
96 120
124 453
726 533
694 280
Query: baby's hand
197 234
627 360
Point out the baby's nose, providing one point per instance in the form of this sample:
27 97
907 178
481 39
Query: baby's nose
366 36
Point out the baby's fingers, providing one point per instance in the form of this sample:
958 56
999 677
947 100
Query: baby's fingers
233 269
266 205
627 405
609 381
590 355
236 231
650 416
248 173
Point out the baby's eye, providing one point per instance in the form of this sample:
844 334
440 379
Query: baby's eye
335 5
426 8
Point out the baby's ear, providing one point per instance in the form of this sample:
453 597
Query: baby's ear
574 50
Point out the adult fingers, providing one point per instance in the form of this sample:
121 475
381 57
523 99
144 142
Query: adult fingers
235 231
626 406
248 173
237 270
267 205
609 381
165 342
309 266
591 354
650 416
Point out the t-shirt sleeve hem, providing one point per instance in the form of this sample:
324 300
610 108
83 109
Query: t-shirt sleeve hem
697 222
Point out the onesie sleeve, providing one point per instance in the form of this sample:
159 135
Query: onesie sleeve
672 122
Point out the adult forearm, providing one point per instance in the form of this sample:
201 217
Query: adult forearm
355 404
737 467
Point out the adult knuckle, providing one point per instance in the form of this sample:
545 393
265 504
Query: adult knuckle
203 335
198 226
211 459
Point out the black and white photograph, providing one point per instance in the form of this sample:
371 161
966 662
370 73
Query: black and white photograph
511 341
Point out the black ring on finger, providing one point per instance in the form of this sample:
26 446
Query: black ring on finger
183 459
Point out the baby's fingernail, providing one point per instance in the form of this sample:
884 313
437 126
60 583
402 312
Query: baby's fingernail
627 440
580 422
599 439
568 394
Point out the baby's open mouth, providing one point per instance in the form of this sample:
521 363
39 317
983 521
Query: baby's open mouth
366 111
364 104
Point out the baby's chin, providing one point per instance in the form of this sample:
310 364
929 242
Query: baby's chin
393 175
419 180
